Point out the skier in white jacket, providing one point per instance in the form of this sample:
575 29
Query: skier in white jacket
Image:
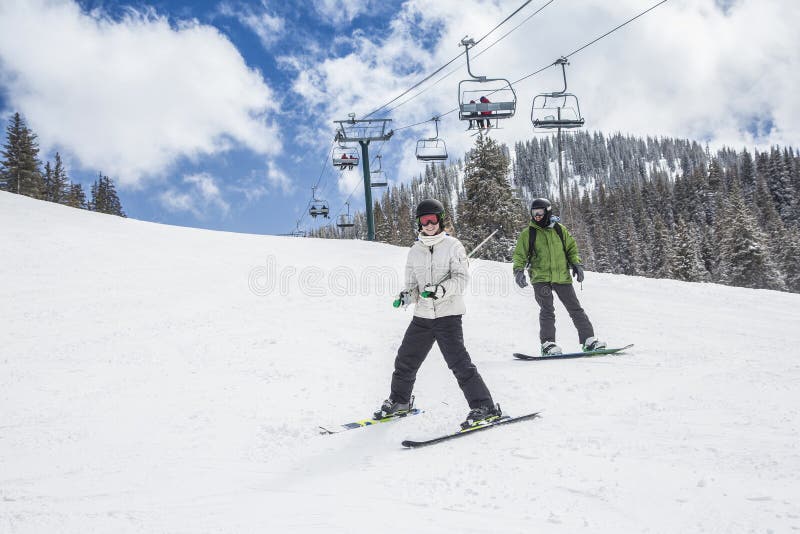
435 280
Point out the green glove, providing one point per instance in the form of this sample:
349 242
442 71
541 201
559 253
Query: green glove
403 299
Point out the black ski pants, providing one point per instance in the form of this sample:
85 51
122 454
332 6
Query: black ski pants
417 342
547 316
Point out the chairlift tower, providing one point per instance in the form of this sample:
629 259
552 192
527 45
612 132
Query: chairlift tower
363 132
557 110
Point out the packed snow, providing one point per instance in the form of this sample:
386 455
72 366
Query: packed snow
166 379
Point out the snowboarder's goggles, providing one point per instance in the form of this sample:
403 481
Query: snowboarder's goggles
431 218
538 212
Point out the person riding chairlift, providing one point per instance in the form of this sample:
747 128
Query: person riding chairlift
488 123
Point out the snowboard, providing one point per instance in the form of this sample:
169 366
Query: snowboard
600 352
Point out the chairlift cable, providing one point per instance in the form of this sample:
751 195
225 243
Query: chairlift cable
440 69
462 64
594 41
548 65
618 27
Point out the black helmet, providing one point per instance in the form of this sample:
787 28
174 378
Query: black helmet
430 206
542 203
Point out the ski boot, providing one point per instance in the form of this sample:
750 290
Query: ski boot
390 408
481 416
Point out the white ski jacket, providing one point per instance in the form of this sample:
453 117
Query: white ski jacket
428 265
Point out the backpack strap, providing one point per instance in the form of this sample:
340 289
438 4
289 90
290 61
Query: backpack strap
532 243
560 233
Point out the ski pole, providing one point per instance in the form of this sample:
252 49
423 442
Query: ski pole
397 302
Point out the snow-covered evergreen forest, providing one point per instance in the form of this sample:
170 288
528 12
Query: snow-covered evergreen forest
655 207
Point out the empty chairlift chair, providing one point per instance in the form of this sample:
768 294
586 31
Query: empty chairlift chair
377 178
556 110
345 219
484 101
432 149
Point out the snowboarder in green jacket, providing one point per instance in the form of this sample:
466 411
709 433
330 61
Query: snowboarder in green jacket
548 250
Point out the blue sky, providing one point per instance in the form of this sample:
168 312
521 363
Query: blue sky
218 114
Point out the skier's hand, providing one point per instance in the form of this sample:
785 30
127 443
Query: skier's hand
519 277
433 291
403 299
577 272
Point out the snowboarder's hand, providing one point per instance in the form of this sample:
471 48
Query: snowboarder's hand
403 299
577 272
433 291
519 277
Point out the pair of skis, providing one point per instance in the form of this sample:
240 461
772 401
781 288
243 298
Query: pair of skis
502 420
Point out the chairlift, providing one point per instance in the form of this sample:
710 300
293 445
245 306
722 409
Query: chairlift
345 157
318 206
432 149
345 219
377 178
482 100
558 109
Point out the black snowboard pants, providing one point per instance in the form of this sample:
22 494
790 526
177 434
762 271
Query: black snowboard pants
417 342
547 316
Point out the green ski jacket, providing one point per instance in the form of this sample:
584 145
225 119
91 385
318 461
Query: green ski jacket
549 262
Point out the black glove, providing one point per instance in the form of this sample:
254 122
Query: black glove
433 291
577 272
519 277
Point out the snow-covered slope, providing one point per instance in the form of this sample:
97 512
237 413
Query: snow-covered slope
164 379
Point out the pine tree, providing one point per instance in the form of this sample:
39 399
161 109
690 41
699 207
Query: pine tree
687 264
104 197
745 257
20 166
47 182
663 252
60 183
76 197
489 204
383 227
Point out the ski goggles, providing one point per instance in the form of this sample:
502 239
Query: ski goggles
538 212
431 218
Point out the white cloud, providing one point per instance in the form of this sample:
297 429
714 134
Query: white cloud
338 12
200 197
268 27
277 178
131 97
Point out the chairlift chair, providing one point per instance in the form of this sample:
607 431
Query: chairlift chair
432 149
345 219
484 99
318 206
345 157
558 109
377 178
